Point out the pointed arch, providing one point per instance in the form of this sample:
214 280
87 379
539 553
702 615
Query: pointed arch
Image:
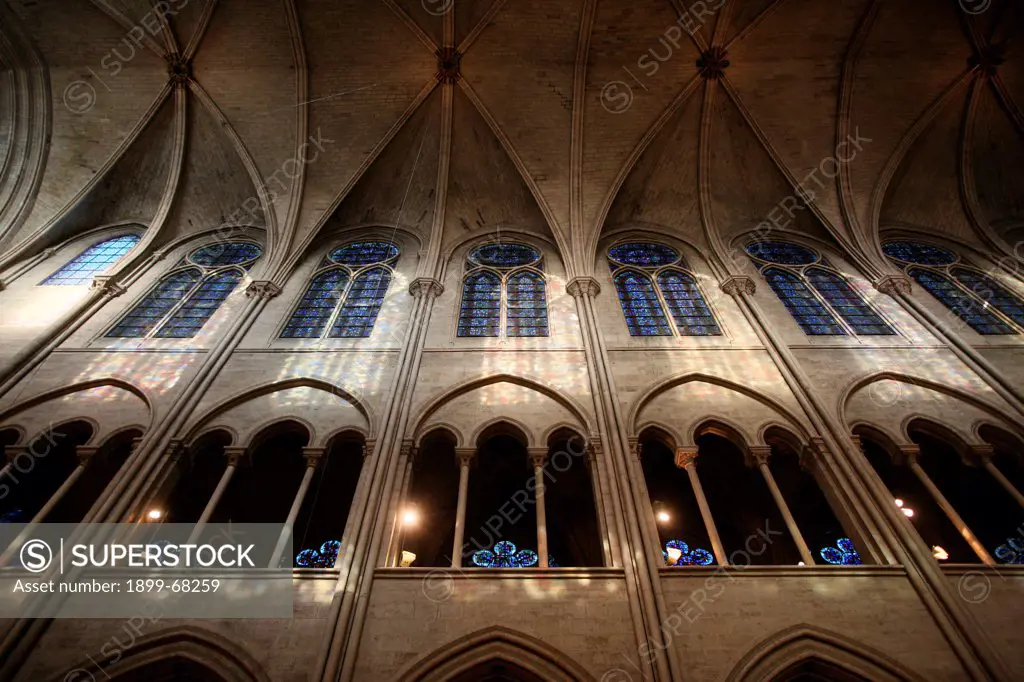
680 379
208 649
782 651
53 394
495 644
198 425
558 396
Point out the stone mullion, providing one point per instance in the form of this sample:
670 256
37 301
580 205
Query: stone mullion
643 585
970 644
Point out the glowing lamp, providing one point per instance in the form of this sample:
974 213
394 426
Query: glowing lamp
674 554
407 559
939 553
410 517
154 514
663 517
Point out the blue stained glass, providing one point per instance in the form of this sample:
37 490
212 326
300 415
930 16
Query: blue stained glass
505 555
966 307
991 292
917 253
783 253
141 319
365 253
640 304
365 297
845 554
93 261
325 557
688 557
805 308
505 255
686 305
848 303
228 253
527 313
481 304
647 255
318 304
200 306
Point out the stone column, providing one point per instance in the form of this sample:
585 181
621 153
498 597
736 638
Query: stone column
686 458
406 455
464 456
539 457
312 457
760 455
912 453
234 455
84 453
983 454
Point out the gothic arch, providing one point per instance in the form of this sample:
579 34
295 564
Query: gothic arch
495 644
212 651
55 393
209 417
779 653
558 396
504 426
719 426
795 424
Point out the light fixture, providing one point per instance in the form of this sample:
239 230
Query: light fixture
154 514
907 511
939 553
407 559
674 554
800 563
663 517
410 517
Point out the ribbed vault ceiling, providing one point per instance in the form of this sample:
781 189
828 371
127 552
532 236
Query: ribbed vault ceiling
571 119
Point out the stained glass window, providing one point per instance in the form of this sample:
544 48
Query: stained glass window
647 287
93 261
991 292
183 301
504 273
686 304
200 306
141 320
505 255
481 305
848 303
917 253
364 253
359 313
349 292
227 253
646 255
782 253
966 307
640 304
527 305
803 305
317 306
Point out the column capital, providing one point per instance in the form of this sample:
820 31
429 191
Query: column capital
464 456
14 450
175 448
739 284
891 285
313 456
579 287
262 289
235 454
106 285
423 286
686 456
84 453
980 453
368 446
760 454
635 448
407 448
909 454
538 456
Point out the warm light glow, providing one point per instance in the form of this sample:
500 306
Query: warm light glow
800 563
154 514
663 517
899 503
673 555
410 517
407 559
939 553
908 512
